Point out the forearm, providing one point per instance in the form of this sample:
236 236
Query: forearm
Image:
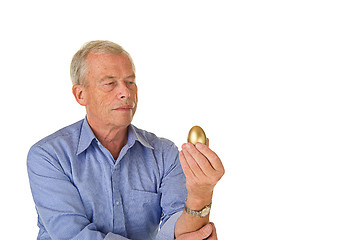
203 169
186 222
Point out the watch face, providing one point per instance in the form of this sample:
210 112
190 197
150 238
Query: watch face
205 211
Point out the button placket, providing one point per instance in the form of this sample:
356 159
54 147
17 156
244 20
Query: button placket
118 211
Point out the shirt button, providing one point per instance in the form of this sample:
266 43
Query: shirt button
117 203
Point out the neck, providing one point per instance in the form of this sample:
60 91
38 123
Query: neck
111 137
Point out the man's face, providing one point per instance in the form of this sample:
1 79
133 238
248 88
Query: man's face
111 92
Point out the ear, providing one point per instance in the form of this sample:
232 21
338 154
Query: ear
79 94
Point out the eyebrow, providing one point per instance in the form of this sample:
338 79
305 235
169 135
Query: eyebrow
130 76
113 77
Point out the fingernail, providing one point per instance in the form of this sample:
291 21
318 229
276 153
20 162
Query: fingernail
208 228
199 145
188 145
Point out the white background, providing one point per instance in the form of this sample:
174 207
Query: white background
275 85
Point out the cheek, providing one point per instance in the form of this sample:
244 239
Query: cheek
135 95
100 103
136 98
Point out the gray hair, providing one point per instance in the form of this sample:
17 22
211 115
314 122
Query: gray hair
78 67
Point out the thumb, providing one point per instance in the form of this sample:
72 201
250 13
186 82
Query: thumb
205 231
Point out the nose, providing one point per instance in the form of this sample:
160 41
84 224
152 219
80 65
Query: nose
122 91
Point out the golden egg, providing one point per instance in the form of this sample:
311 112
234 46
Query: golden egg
196 134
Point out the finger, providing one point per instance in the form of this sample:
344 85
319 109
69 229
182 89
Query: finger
213 236
207 142
200 159
211 156
204 232
200 234
185 166
192 163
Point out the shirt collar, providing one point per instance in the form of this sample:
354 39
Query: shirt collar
134 134
87 136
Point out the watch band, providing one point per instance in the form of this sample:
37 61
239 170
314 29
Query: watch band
202 213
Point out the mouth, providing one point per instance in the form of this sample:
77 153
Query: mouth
124 108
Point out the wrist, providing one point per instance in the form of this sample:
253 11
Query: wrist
197 202
204 212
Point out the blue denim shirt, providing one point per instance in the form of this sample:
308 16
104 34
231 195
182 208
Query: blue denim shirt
80 192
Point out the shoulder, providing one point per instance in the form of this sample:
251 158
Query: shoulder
65 138
67 133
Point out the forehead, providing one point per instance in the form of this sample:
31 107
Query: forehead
118 64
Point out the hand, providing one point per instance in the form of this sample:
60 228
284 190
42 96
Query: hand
207 232
203 169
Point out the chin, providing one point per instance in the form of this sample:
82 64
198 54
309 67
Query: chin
122 119
123 122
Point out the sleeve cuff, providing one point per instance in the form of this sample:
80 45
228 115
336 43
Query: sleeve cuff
112 236
167 230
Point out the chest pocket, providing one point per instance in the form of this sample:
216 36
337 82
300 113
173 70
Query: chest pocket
143 214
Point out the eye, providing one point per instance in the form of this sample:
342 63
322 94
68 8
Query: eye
108 86
130 83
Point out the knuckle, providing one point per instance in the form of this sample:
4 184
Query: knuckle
221 172
216 178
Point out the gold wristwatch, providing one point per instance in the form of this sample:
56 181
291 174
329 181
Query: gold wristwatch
202 213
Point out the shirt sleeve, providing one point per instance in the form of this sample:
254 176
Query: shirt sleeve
112 236
57 200
173 193
167 230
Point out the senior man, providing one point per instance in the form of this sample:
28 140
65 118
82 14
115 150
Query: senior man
103 178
